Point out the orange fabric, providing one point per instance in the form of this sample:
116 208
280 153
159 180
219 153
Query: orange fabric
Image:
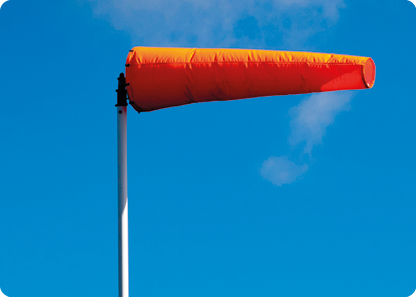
165 77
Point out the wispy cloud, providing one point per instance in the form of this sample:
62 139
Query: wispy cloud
313 115
202 23
309 121
280 171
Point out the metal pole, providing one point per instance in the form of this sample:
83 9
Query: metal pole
123 233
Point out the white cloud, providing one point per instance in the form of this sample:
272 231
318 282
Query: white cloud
309 122
280 170
286 23
313 115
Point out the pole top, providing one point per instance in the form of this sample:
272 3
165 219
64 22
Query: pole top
121 91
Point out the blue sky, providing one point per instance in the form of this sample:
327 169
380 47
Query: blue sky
277 196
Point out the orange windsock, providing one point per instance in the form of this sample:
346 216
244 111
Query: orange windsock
164 77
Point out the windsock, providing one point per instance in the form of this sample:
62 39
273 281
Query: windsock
164 77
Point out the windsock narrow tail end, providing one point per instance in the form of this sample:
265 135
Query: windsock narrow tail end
369 70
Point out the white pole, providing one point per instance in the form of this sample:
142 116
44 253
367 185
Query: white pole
123 233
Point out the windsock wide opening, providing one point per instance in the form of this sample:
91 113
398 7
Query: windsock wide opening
369 73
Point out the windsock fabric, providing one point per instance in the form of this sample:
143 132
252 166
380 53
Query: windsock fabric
165 77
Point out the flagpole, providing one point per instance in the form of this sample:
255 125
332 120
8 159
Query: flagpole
123 234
